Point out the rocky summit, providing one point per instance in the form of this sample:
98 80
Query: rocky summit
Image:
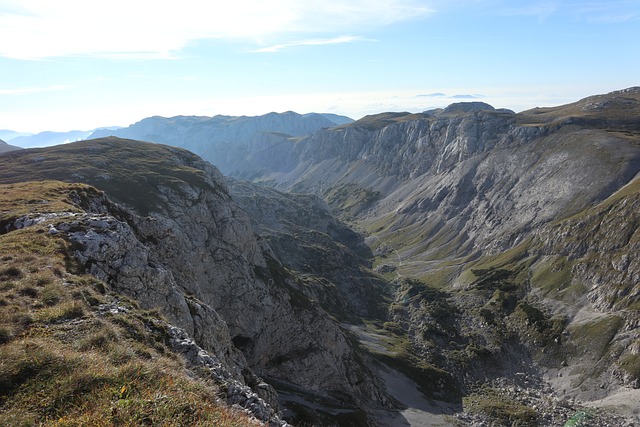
467 266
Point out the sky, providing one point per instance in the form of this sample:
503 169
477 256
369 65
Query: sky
78 64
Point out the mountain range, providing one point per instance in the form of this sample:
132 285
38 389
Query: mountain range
231 143
463 266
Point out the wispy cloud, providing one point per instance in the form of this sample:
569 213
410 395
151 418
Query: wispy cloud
465 96
541 10
431 95
33 89
312 42
604 12
37 29
610 12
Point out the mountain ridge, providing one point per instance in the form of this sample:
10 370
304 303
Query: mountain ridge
4 147
227 140
462 247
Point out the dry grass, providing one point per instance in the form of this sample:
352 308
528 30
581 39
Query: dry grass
37 197
129 171
63 362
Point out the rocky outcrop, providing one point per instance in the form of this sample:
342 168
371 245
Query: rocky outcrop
261 404
193 255
477 180
599 243
109 250
331 260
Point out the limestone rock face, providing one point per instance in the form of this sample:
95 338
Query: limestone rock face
476 180
306 238
190 251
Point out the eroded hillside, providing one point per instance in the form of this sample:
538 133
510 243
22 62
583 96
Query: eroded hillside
75 352
176 242
510 237
464 267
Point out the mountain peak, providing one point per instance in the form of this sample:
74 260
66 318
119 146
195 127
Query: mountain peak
467 107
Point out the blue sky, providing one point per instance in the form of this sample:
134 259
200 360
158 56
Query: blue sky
76 64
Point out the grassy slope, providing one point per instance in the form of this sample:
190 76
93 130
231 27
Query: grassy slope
378 121
616 111
592 240
74 354
515 296
129 171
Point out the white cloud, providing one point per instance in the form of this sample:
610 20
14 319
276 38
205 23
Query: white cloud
36 29
311 42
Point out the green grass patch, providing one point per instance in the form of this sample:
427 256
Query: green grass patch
62 363
595 336
630 363
501 410
552 275
65 311
351 199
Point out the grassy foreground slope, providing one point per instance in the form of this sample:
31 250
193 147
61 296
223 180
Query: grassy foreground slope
71 352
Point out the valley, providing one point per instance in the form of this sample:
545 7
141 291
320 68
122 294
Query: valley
464 266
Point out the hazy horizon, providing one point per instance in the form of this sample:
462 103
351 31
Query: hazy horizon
76 65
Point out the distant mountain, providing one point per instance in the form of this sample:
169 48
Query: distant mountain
335 118
47 138
233 144
488 276
8 135
511 239
4 147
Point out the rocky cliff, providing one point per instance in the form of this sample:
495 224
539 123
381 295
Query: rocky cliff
483 178
488 262
177 242
331 260
516 232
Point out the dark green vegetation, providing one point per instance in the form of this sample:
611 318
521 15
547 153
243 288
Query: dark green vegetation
502 410
350 199
72 353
